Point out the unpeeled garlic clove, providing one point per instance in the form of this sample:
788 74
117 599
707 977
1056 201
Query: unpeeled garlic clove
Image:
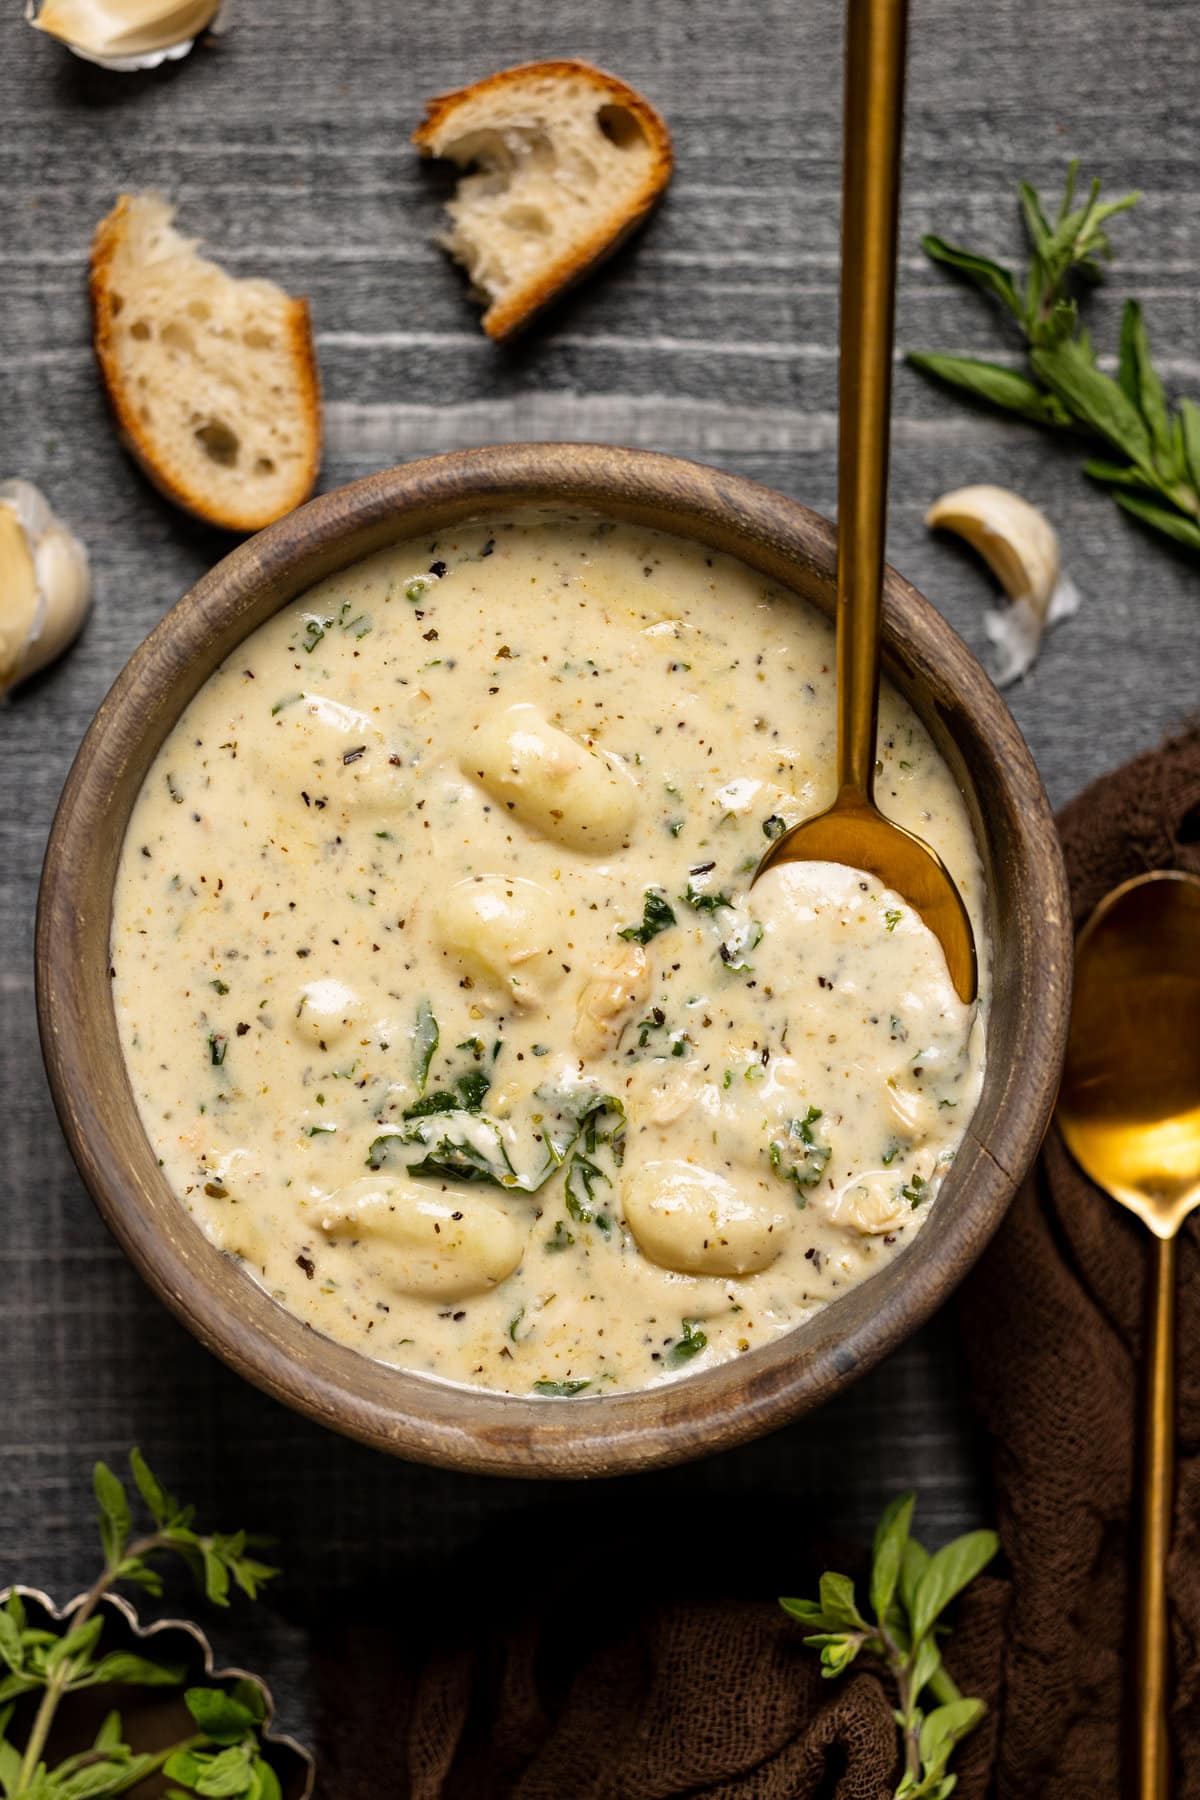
45 584
1021 548
125 35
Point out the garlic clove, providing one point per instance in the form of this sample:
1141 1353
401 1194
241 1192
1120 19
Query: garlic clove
45 583
125 35
1020 546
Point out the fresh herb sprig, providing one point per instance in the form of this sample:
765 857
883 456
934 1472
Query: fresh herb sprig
223 1755
1156 476
909 1592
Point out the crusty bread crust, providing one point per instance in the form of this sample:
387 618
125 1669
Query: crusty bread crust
106 243
506 319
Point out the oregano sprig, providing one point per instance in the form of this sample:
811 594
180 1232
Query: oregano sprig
223 1755
1156 474
909 1592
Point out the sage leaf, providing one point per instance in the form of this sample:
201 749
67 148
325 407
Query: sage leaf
10 1643
115 1520
891 1535
139 1671
219 1715
1161 518
1139 381
913 1565
993 277
1117 474
1069 370
926 1662
948 1572
1189 425
993 382
945 1727
838 1603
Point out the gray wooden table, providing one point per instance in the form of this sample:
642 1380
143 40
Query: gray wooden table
712 337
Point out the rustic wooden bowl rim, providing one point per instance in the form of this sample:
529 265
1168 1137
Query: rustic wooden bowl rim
411 1415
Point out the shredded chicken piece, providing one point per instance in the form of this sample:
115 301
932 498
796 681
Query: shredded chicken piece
608 997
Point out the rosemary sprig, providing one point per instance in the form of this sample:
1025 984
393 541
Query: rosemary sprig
223 1754
909 1592
1156 476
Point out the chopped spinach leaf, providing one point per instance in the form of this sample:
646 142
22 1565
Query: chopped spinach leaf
560 1390
425 1036
657 915
688 1344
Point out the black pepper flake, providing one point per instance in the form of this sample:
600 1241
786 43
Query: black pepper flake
307 1264
352 756
242 1029
304 952
394 760
438 569
430 636
487 548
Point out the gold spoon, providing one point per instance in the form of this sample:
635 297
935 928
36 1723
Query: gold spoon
1129 1110
853 830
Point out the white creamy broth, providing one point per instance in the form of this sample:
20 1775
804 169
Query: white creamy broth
444 997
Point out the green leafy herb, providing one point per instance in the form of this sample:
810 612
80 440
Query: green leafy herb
701 901
892 918
425 1036
1156 475
914 1190
560 1390
218 1044
657 915
220 987
560 1238
689 1343
799 1155
909 1592
223 1756
314 631
774 827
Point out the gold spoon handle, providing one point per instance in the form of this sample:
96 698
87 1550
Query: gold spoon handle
1158 1460
873 127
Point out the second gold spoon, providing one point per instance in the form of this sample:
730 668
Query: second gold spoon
1129 1110
853 830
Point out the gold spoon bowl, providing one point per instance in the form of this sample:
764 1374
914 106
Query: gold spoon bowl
1129 1112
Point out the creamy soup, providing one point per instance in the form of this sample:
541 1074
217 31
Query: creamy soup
446 1001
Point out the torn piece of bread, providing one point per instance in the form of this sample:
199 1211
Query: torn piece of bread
213 380
568 162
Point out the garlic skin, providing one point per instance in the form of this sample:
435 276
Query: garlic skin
1021 548
45 583
126 35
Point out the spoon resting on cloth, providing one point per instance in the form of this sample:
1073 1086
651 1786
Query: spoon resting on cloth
1129 1111
853 830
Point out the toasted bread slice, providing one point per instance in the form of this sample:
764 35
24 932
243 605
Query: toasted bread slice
569 161
213 380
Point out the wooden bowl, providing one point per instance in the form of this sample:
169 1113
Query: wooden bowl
408 1414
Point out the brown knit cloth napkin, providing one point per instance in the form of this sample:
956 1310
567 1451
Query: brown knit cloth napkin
640 1673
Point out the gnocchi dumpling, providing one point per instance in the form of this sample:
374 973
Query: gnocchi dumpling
334 754
435 1244
693 1220
505 929
581 798
326 1012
